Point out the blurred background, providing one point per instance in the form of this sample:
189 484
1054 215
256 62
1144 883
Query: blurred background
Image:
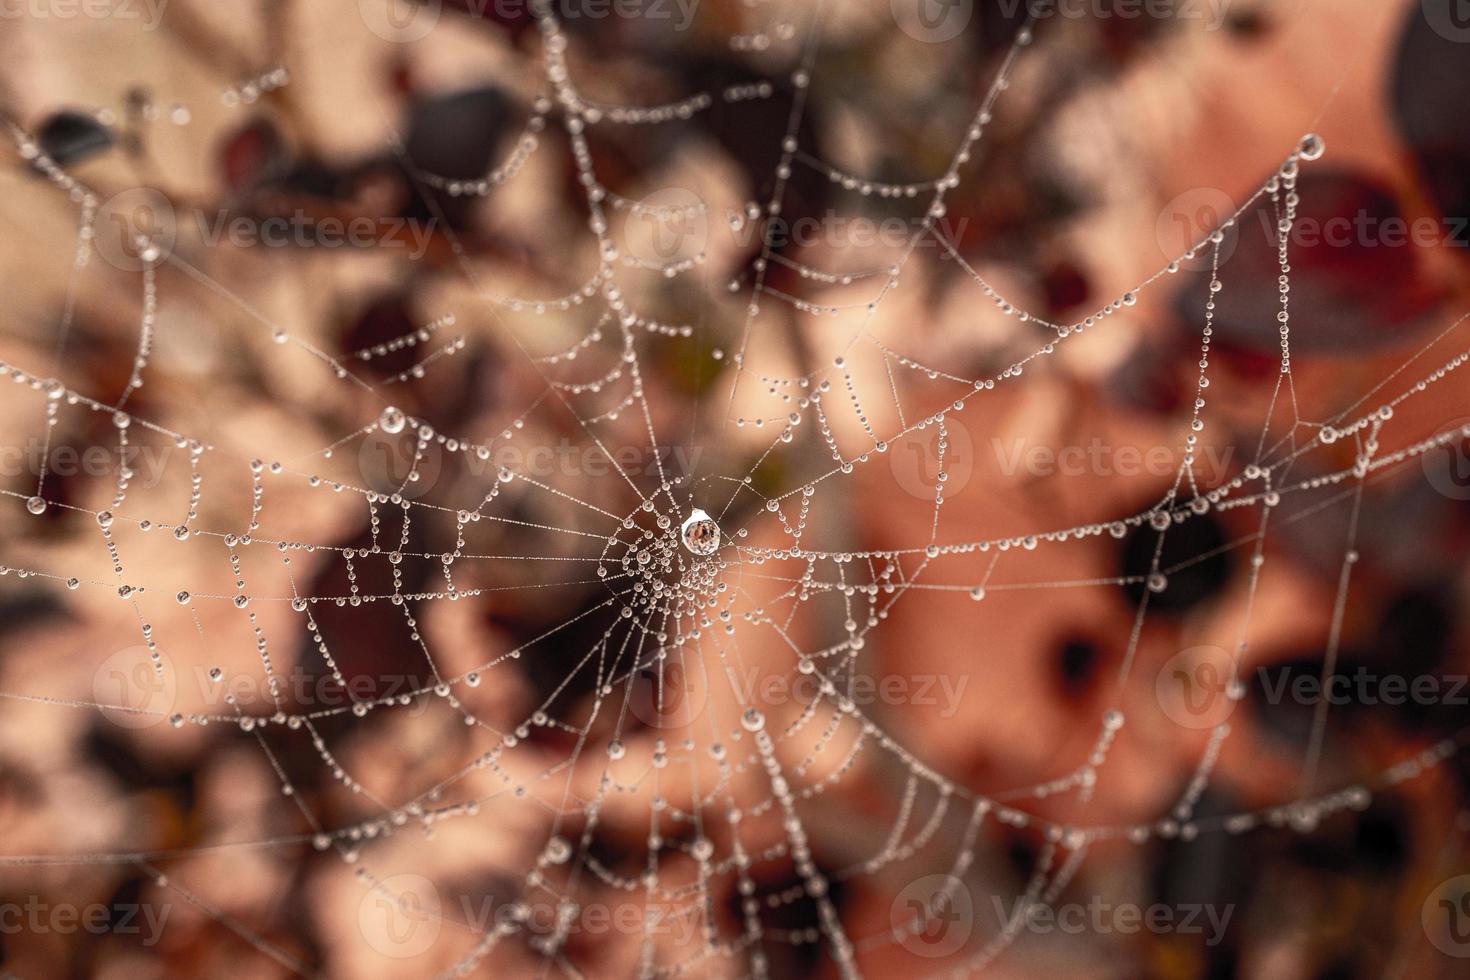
348 339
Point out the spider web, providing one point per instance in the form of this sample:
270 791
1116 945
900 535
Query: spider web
649 723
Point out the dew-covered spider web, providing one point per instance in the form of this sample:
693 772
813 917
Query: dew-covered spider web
593 635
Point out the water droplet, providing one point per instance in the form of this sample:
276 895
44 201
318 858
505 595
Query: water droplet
36 505
701 535
558 850
392 420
